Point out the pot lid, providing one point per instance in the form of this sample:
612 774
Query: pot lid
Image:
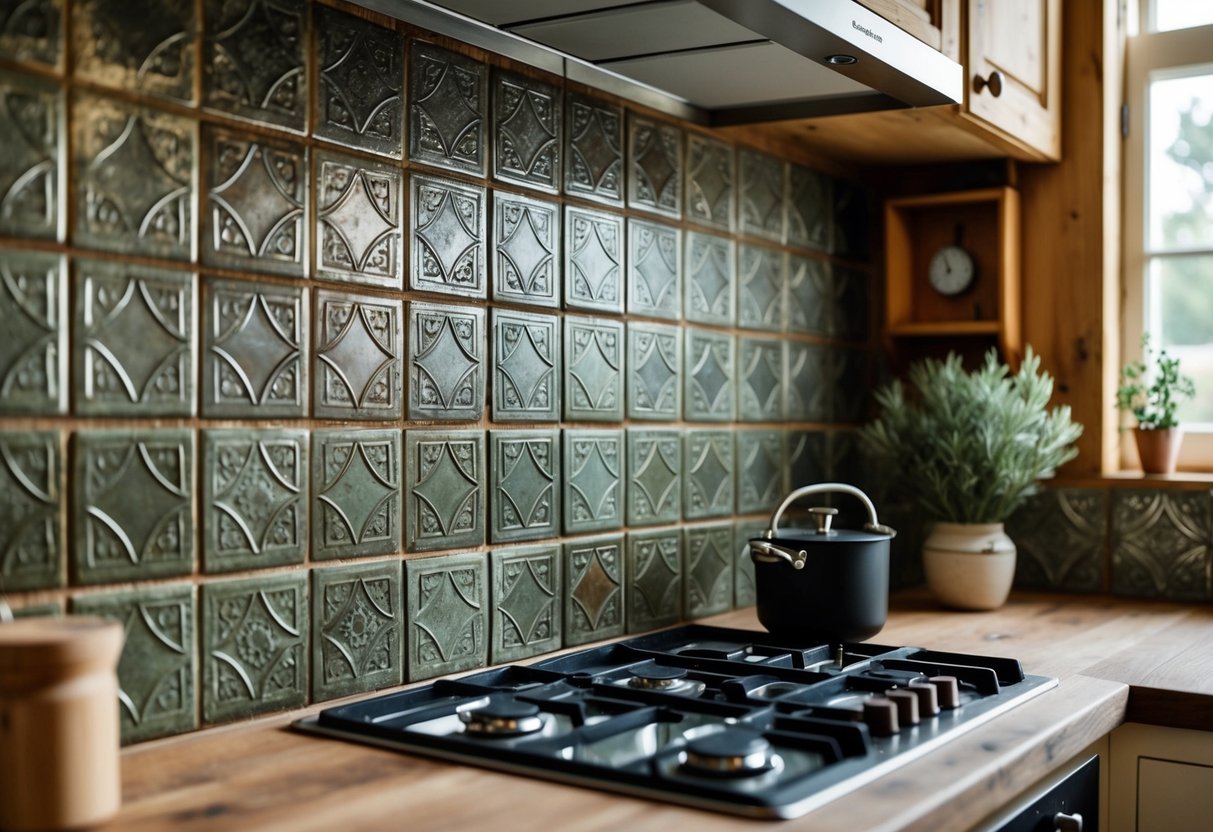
803 537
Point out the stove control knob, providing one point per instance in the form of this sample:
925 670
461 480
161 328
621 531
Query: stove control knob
948 689
880 714
928 698
907 706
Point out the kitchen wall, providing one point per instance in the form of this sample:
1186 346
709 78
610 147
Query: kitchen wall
339 354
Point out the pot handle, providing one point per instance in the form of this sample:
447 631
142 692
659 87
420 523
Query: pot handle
873 525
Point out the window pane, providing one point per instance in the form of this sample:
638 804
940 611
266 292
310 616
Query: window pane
1181 163
1181 14
1183 290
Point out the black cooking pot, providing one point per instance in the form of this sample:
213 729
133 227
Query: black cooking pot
825 584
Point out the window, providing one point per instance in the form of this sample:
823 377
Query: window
1168 232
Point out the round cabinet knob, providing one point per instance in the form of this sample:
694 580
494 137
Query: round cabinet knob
880 714
907 706
947 688
928 698
993 82
1067 823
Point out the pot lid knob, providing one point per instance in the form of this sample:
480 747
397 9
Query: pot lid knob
823 517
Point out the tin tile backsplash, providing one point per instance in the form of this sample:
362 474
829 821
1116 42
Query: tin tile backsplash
339 354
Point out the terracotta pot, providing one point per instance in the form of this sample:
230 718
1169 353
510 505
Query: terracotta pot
1158 449
969 566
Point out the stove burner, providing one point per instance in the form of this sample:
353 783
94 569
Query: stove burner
503 716
664 679
733 752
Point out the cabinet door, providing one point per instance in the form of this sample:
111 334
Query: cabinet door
1014 71
1162 779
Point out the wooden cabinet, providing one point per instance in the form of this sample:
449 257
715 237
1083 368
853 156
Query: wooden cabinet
1161 779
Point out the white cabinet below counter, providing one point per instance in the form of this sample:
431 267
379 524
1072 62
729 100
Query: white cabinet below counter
1161 779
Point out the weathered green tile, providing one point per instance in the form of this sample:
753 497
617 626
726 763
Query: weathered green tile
809 300
593 370
357 367
356 503
810 209
593 260
527 131
851 299
359 221
524 467
1161 543
134 345
808 458
654 166
710 178
848 384
526 602
447 236
760 466
745 593
147 46
760 379
255 336
654 579
654 269
808 391
710 563
711 274
133 504
760 195
708 376
31 510
708 474
448 109
51 609
254 498
448 614
654 389
526 367
593 480
526 250
30 31
159 666
852 217
444 481
357 629
593 154
33 352
446 362
1061 535
760 288
32 128
254 646
654 476
593 589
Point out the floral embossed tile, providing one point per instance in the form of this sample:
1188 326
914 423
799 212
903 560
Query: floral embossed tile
1161 543
707 474
710 182
447 237
593 480
147 45
359 235
448 105
654 476
709 569
30 31
448 614
593 370
526 250
356 508
654 269
526 131
444 478
446 354
526 367
357 628
31 510
593 589
524 467
708 376
1061 535
654 574
360 83
593 255
655 170
593 155
32 127
711 274
358 364
760 378
760 195
759 469
33 352
527 589
654 388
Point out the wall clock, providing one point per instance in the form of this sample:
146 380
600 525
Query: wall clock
951 270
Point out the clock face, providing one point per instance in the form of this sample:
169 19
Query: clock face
951 270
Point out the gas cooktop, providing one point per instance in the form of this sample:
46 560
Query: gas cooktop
729 720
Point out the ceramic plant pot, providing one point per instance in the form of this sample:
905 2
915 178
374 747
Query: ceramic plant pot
1158 449
969 566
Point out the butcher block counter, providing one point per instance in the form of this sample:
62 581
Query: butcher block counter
1117 661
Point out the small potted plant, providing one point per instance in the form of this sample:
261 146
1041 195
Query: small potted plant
1152 389
970 447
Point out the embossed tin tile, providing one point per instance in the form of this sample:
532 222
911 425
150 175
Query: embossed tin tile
358 362
654 269
851 295
760 378
1161 543
360 89
593 480
143 45
760 195
593 589
356 504
654 388
359 236
593 155
448 614
809 303
707 474
526 250
593 255
593 370
710 562
655 166
135 344
30 31
654 477
357 629
444 477
654 575
524 469
447 235
253 60
848 383
708 377
1061 535
32 127
526 367
33 351
710 178
158 669
31 510
446 362
448 101
256 203
760 466
710 278
254 498
132 504
810 208
807 390
526 131
254 646
745 592
760 288
808 459
527 589
852 216
254 338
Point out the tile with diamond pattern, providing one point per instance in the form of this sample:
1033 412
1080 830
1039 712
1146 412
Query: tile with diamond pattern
760 195
759 469
593 153
654 476
707 474
593 480
359 84
32 128
527 124
593 589
760 288
357 629
593 260
654 575
654 388
444 482
448 614
708 376
1060 536
447 237
446 362
359 237
851 300
711 275
760 379
526 367
526 250
593 370
807 391
31 510
30 32
357 368
146 46
709 569
33 351
810 209
524 467
527 610
745 592
808 459
448 103
809 302
654 269
356 496
1161 543
710 182
655 166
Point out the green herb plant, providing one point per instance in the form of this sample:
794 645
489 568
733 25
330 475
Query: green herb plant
1153 396
971 446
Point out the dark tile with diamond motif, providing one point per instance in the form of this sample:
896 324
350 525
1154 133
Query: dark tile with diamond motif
654 576
444 482
710 278
847 380
360 83
852 217
593 154
593 589
30 31
593 480
358 364
446 362
710 563
707 480
593 370
143 45
132 504
448 102
708 376
745 593
760 378
254 498
527 125
654 476
655 166
527 609
448 614
1061 535
809 302
32 128
357 629
254 646
808 390
447 236
760 195
33 351
851 297
31 510
1161 543
158 669
760 288
808 459
810 209
654 269
593 254
359 236
356 507
524 467
759 469
654 389
526 367
526 250
710 182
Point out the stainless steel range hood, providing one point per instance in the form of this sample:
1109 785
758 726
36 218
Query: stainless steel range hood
712 61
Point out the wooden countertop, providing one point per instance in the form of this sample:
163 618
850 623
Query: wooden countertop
1149 662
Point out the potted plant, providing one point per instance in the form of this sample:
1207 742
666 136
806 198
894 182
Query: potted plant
970 447
1152 395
